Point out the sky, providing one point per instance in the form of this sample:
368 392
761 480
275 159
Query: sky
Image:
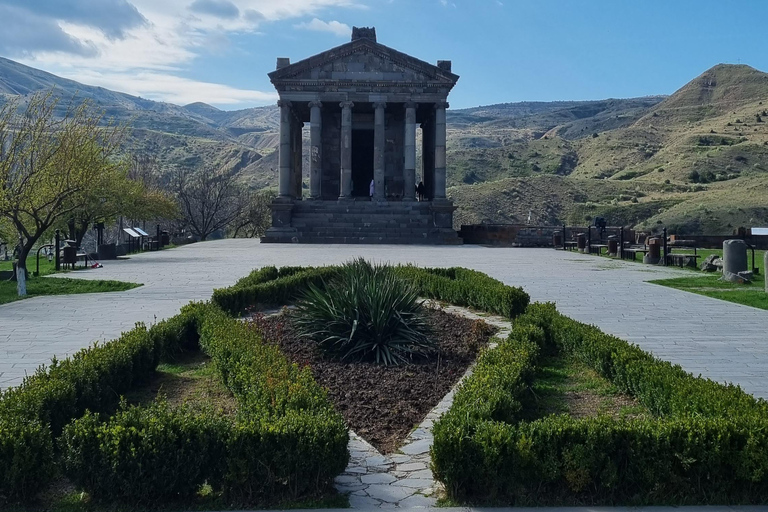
220 51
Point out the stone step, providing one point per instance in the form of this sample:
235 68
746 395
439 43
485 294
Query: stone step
365 233
361 225
378 240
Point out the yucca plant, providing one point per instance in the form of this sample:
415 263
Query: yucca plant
366 313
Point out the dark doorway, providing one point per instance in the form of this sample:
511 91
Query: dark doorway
362 162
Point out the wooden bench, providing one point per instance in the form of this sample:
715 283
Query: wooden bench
597 248
571 246
683 260
633 251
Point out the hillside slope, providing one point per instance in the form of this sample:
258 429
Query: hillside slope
695 161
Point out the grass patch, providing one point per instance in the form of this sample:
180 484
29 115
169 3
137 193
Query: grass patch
46 267
750 294
565 385
61 286
191 378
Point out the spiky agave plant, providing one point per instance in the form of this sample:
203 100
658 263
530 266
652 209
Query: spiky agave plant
366 313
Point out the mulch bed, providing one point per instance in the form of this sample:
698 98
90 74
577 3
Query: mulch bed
380 403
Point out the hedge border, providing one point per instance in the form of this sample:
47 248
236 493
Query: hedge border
71 396
707 444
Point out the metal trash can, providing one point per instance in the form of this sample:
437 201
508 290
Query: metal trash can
557 239
654 251
69 255
581 242
613 245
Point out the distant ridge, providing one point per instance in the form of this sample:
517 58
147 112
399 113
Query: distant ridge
722 87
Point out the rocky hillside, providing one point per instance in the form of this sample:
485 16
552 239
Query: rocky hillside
696 161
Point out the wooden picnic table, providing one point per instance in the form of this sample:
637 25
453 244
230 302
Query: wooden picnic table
633 251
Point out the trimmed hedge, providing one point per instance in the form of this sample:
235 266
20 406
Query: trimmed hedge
464 287
708 443
286 441
145 454
92 379
266 286
459 286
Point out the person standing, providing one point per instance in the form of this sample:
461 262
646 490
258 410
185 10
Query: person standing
371 188
420 190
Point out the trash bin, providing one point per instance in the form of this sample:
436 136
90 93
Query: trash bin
69 255
654 251
581 242
613 245
557 239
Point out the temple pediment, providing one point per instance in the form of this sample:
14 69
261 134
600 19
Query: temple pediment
364 60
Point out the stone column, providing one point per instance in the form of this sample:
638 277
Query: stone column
315 150
379 146
346 149
440 138
284 189
409 171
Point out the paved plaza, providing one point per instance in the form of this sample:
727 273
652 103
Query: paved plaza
720 340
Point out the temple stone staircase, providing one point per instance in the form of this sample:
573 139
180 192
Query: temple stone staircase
364 222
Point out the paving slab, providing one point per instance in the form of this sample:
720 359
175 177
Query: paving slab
724 341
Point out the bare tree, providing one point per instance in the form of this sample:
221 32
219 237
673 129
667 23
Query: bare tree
257 216
209 199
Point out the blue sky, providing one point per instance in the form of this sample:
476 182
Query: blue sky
220 51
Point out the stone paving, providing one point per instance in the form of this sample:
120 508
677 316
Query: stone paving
720 340
402 479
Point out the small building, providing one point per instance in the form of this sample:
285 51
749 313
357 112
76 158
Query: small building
365 103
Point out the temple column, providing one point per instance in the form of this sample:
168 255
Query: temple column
315 150
409 171
284 188
346 149
440 140
379 146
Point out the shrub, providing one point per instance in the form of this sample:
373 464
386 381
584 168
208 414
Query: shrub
285 290
26 457
287 439
464 287
141 455
707 443
366 313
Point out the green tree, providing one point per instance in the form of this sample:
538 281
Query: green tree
49 163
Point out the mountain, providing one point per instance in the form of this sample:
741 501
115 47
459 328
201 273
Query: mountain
695 161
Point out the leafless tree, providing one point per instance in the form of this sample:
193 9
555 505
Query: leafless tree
209 199
257 216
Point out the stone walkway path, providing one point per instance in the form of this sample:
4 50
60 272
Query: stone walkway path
723 341
402 479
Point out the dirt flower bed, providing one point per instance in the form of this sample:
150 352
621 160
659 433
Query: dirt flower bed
380 403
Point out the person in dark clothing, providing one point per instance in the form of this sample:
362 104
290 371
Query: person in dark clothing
420 190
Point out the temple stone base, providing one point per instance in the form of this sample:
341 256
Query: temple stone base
367 222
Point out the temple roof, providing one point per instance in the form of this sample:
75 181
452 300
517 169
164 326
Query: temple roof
364 60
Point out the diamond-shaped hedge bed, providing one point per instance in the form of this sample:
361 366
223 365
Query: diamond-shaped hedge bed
285 442
702 443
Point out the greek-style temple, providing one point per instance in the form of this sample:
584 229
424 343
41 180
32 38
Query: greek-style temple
364 103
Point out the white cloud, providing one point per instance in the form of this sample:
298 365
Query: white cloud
334 27
160 86
173 34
